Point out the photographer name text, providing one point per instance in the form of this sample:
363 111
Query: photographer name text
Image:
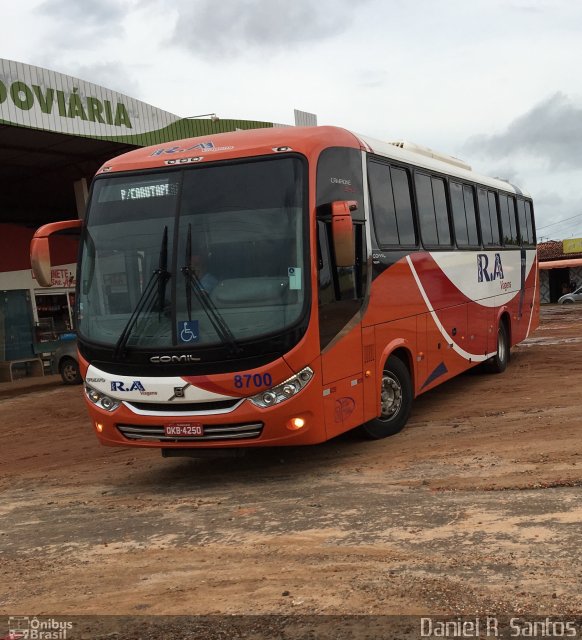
493 627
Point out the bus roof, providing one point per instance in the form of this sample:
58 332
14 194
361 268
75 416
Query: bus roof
234 144
306 140
434 161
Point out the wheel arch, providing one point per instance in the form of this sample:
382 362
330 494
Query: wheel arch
402 396
64 359
402 350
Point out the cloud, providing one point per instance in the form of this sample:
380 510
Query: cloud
549 198
80 37
226 28
551 131
540 151
79 20
108 75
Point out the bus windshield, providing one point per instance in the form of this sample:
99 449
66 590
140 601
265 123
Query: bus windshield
202 256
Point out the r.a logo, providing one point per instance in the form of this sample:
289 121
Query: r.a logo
483 272
118 385
201 146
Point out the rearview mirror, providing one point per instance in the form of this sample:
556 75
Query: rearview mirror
342 231
40 253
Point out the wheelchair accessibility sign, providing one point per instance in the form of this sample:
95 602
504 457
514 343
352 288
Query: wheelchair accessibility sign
188 331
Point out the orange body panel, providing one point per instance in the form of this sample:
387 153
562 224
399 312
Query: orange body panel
413 307
275 420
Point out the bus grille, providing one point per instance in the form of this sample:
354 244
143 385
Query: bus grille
185 407
211 432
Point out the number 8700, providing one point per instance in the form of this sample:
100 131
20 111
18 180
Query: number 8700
248 380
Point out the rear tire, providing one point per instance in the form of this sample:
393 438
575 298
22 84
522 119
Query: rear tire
69 370
498 363
395 402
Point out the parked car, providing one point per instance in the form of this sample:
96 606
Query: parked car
67 360
569 298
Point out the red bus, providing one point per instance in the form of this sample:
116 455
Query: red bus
283 286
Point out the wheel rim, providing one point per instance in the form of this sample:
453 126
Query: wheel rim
69 372
391 397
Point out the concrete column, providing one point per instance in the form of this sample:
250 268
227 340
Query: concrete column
81 196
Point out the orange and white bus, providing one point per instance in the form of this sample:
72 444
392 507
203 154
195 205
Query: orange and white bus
282 286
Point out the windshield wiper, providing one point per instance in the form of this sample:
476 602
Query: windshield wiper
193 284
148 298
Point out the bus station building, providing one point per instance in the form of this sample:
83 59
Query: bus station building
560 268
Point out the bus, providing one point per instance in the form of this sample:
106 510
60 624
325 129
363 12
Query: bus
283 286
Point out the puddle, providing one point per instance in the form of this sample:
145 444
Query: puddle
530 342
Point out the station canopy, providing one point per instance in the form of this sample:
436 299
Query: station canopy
57 130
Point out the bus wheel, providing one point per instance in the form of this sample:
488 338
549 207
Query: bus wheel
69 370
395 402
498 363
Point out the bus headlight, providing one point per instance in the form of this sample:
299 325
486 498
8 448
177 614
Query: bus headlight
100 399
283 391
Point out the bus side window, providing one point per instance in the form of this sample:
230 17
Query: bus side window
488 217
327 292
403 204
340 283
341 290
391 205
469 199
530 219
463 206
508 220
432 210
494 213
525 222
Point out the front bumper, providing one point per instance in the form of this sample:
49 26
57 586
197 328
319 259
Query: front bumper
245 425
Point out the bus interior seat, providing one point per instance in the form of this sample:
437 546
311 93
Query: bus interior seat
254 273
250 292
249 259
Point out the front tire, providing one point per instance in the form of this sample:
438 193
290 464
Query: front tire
498 363
69 370
395 402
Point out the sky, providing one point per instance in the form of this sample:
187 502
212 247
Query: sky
495 82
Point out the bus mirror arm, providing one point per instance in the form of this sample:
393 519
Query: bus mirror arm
342 231
40 254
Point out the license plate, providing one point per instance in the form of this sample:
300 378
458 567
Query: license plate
181 429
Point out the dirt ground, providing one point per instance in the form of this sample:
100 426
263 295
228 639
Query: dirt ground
475 507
